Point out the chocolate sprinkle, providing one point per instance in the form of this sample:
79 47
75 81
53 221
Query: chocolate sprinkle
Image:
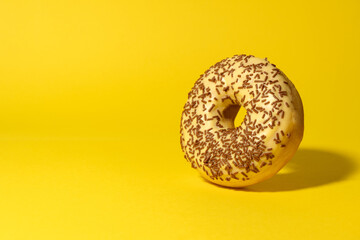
220 150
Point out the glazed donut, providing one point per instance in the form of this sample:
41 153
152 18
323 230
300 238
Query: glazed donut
267 138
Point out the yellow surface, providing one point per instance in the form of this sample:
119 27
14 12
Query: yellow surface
91 94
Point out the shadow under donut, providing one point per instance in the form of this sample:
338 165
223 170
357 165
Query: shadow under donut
308 168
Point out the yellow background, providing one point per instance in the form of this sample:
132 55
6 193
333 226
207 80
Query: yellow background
91 94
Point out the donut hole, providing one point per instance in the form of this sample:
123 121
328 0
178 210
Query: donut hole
235 114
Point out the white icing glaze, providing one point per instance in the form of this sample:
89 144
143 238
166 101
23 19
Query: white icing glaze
267 138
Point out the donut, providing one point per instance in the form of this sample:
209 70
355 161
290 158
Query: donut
269 135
